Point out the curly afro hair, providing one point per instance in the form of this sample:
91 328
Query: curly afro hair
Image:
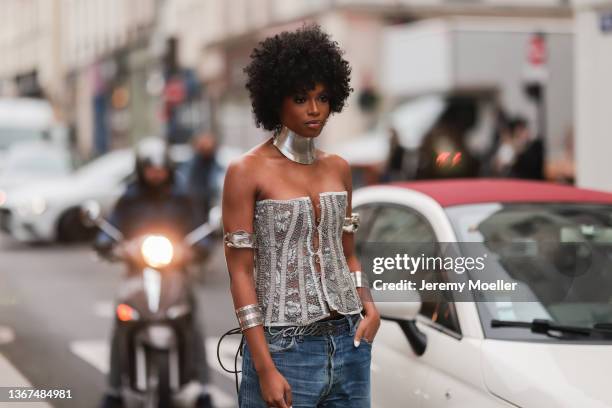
293 62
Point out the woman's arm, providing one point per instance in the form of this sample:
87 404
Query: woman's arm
369 326
238 206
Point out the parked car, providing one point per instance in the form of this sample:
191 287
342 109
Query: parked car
28 162
536 351
49 210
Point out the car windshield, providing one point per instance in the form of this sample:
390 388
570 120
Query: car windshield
8 136
560 255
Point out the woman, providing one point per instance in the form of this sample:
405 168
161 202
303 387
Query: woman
295 278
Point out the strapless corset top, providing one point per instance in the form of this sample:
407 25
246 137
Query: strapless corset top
290 288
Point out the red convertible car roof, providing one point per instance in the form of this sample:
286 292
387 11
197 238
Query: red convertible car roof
474 191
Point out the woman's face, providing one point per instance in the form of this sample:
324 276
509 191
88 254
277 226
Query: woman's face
306 113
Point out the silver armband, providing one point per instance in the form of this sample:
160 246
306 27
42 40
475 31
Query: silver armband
239 239
249 316
351 224
360 279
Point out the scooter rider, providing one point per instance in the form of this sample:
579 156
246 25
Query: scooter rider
153 202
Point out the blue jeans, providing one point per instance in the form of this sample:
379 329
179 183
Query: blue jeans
323 371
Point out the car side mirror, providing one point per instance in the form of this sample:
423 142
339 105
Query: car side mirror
91 213
405 314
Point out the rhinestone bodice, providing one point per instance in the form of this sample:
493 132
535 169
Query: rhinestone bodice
290 288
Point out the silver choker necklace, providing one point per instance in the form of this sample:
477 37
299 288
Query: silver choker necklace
296 148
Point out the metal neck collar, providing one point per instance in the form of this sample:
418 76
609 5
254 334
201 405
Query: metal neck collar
296 148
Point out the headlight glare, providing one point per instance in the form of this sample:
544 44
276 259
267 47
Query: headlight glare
157 251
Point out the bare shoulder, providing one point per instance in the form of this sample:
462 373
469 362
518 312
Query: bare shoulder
241 170
248 162
336 162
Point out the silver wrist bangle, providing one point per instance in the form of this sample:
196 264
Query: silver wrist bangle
249 316
360 279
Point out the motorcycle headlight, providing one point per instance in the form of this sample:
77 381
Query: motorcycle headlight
157 251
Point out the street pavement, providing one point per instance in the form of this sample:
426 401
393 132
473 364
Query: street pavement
56 311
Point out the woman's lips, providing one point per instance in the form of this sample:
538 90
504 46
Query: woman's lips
314 124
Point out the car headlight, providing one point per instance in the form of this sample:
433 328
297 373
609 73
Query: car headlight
35 206
39 206
157 251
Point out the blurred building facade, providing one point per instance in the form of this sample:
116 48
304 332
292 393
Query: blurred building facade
593 65
107 64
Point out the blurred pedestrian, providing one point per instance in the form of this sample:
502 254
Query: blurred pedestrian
520 155
203 175
500 130
394 168
444 152
505 154
529 162
563 168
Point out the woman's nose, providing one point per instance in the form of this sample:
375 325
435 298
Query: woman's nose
313 107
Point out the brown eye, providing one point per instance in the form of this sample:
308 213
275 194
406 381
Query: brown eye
324 98
299 99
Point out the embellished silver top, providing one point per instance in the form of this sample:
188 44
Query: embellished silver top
290 289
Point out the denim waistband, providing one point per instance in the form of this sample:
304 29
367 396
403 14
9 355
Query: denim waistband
328 327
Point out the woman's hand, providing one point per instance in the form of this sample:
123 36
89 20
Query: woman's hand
368 327
275 390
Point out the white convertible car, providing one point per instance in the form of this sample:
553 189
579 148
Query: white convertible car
549 347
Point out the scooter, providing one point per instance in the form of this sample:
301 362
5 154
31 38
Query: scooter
153 312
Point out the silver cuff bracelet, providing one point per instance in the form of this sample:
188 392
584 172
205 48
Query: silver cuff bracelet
360 279
351 224
249 316
239 239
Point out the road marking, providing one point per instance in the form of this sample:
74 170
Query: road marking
97 354
11 377
7 335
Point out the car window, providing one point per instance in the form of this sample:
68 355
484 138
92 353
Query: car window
396 224
440 307
11 135
401 224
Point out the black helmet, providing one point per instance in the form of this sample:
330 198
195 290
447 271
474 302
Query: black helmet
153 152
